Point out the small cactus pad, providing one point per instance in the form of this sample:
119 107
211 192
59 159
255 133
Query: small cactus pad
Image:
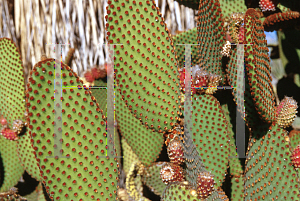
286 112
129 156
210 21
194 4
294 138
232 6
145 63
13 170
152 178
84 171
190 38
278 21
258 66
27 156
209 134
145 143
185 192
269 172
12 81
171 172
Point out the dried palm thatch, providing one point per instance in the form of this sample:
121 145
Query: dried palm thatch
80 24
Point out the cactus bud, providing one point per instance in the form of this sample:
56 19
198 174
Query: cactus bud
205 184
175 151
296 157
286 112
171 173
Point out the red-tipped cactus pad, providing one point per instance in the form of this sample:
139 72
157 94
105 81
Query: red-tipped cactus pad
279 21
258 67
84 171
145 63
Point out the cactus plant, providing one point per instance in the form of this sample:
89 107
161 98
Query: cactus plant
149 114
86 171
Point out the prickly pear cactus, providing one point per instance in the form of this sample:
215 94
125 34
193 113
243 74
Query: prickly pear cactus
187 37
12 107
258 67
269 171
145 64
209 134
294 136
145 143
100 94
210 21
84 170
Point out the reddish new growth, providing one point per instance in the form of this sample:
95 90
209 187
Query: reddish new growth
296 157
268 5
200 80
97 72
171 173
175 151
205 184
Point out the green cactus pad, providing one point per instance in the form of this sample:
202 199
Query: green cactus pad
145 143
145 63
236 169
269 172
294 138
100 94
185 192
258 68
12 81
129 156
194 4
209 134
27 156
86 172
232 6
152 178
187 37
11 163
211 37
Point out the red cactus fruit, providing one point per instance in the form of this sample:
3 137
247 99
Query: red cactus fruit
205 184
175 151
296 157
171 173
89 76
3 121
9 134
268 5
